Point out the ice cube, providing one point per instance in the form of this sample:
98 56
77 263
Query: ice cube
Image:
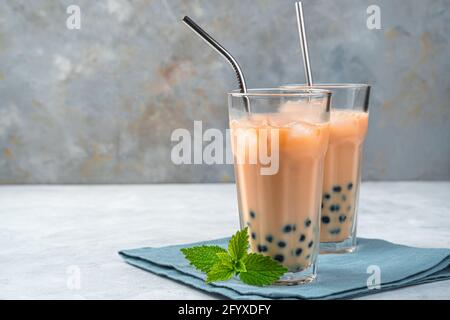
301 129
303 110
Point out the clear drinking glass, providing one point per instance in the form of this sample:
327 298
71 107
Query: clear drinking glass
342 173
279 139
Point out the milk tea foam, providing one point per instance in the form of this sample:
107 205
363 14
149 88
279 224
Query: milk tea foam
282 210
348 129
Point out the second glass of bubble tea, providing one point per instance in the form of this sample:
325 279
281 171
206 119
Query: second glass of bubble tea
342 173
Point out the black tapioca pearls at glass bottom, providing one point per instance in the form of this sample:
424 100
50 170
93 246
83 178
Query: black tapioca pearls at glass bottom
297 252
325 219
310 244
342 218
262 248
335 231
279 257
302 238
289 228
253 235
281 244
269 238
307 222
252 214
349 186
335 207
337 189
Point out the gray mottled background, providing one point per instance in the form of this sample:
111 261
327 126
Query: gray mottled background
98 105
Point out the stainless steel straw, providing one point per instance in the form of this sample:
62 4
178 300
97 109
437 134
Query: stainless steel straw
224 53
303 42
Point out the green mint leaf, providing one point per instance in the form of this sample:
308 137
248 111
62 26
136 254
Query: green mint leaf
203 257
220 265
225 258
220 272
239 266
261 270
238 245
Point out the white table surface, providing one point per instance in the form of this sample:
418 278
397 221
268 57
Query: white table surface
50 234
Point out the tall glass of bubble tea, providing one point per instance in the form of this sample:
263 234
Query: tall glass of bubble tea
279 139
342 174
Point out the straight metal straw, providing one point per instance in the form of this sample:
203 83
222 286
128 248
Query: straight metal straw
303 42
224 53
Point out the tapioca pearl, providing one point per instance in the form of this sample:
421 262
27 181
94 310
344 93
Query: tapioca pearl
308 256
302 238
298 251
344 197
335 207
321 206
337 189
307 222
262 248
253 214
269 238
325 219
287 228
349 208
342 218
294 227
327 196
310 244
350 186
253 236
281 244
279 257
335 231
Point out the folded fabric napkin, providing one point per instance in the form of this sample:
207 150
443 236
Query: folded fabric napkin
339 276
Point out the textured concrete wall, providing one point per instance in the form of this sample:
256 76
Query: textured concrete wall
98 105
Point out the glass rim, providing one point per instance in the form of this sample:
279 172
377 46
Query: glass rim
281 92
319 86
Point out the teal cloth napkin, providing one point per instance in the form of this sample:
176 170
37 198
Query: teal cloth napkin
339 275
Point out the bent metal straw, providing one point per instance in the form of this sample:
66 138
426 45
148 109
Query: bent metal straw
303 42
223 52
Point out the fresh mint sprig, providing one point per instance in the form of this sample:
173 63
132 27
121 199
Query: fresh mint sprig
221 265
